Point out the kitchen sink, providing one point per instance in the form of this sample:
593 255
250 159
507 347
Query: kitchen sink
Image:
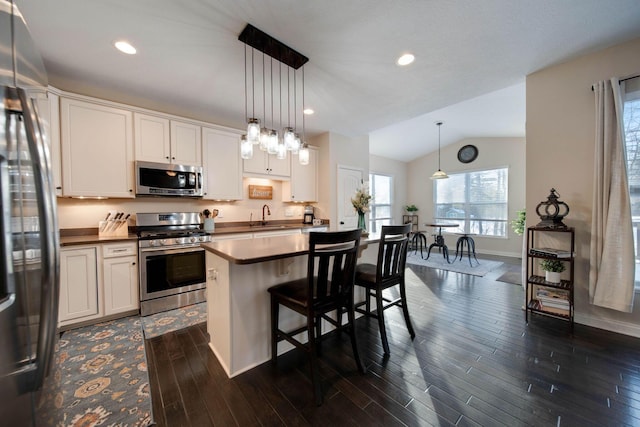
271 227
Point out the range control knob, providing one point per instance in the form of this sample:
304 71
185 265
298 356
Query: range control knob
203 238
193 239
163 242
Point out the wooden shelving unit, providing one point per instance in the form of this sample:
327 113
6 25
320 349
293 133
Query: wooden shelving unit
564 240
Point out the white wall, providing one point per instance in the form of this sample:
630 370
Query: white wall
337 150
560 147
398 171
493 153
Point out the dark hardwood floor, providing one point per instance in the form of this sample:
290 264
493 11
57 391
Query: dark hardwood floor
473 362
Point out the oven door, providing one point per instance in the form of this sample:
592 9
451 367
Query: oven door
165 272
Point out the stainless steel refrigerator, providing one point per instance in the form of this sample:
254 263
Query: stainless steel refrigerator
29 239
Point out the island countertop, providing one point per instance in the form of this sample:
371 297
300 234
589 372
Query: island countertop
260 249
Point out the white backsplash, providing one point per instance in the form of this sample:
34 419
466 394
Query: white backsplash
84 213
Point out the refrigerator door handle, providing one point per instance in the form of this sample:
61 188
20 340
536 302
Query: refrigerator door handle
49 238
5 237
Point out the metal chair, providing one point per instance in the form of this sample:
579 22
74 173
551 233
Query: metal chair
328 287
389 271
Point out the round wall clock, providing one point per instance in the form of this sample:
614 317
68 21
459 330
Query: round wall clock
468 153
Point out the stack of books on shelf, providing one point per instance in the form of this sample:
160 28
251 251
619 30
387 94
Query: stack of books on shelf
553 300
550 252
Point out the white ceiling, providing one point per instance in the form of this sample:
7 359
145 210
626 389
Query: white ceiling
471 58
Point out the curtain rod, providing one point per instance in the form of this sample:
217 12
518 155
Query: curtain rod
623 80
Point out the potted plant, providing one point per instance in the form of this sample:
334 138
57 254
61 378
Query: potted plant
411 209
518 224
552 269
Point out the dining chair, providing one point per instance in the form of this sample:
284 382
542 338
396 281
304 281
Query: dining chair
389 271
328 287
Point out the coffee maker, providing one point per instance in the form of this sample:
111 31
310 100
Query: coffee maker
308 215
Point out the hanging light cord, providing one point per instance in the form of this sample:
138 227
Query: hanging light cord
304 139
246 94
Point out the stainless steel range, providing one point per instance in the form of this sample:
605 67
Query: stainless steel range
172 263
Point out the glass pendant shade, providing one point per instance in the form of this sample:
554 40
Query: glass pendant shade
282 152
296 144
264 138
246 148
289 138
303 155
272 144
439 175
253 131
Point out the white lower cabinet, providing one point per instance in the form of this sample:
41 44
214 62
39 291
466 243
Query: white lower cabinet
97 281
120 271
78 284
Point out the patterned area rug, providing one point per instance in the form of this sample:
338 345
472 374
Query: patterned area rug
99 377
172 320
436 260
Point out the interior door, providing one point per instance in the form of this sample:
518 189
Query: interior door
349 180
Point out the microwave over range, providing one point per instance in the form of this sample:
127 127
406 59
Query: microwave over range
163 179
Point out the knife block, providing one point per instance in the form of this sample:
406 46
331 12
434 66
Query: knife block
111 229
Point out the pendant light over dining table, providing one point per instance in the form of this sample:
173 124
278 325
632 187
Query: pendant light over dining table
439 174
288 140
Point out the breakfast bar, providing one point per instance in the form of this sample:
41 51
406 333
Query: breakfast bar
239 272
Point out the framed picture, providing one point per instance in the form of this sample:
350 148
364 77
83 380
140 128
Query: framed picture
264 192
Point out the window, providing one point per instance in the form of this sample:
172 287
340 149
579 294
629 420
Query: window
477 201
381 190
631 118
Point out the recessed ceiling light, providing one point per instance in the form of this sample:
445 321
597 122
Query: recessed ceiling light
308 111
125 47
405 59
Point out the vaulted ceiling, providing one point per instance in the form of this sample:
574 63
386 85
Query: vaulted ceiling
471 58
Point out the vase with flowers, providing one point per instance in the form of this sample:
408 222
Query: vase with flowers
360 203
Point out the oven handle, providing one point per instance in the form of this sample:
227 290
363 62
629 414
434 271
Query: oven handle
169 251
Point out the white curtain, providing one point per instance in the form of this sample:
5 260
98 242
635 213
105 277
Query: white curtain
612 266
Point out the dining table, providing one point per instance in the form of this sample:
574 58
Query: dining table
439 238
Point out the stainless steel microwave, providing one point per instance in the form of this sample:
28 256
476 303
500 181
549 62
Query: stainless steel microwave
163 179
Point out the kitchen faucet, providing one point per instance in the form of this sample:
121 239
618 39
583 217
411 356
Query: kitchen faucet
268 213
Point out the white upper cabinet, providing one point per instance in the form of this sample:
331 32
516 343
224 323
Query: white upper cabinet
222 165
152 138
303 186
186 143
160 140
264 164
49 112
97 149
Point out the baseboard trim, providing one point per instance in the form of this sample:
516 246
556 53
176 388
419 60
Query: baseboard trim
608 325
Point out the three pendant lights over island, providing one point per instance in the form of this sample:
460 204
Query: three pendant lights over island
258 135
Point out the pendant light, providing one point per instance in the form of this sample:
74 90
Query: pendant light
246 147
253 124
303 154
267 137
264 132
439 174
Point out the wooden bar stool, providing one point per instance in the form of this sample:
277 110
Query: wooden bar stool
388 272
328 287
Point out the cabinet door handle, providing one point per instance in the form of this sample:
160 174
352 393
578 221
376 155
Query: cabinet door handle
133 263
167 157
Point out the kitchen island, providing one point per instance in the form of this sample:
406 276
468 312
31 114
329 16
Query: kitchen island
239 272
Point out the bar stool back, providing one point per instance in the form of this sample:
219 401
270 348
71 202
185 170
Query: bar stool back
389 271
327 287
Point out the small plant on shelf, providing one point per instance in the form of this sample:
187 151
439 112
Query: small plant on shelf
411 209
552 269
